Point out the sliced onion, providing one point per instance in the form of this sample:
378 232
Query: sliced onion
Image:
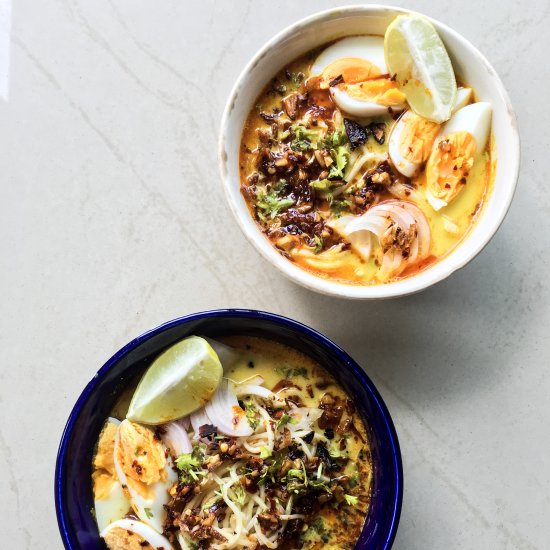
255 380
175 438
251 389
225 412
378 221
185 422
199 418
369 222
227 355
450 226
401 191
303 418
422 228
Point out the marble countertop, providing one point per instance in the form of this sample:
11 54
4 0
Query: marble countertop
112 221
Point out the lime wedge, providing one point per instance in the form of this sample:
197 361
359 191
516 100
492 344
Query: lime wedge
416 55
178 382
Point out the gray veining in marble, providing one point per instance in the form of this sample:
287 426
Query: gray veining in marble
113 221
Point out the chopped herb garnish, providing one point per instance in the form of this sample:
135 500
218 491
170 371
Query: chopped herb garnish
351 500
190 465
340 206
240 495
289 372
304 138
284 420
330 141
148 512
251 414
318 244
340 156
269 203
265 452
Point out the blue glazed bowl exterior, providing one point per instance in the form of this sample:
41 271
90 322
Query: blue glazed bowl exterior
73 489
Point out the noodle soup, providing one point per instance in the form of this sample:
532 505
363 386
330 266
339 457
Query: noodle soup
277 458
347 182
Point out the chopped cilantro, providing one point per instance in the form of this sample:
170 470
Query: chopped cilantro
335 451
318 525
251 414
340 206
336 138
340 156
240 495
186 461
265 452
284 420
353 481
351 500
318 244
289 372
148 513
304 139
189 465
269 202
296 78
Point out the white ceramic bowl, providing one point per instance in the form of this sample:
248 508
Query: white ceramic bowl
295 40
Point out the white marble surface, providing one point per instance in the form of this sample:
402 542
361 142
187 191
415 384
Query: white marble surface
112 221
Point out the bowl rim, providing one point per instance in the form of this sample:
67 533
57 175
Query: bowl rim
406 286
285 322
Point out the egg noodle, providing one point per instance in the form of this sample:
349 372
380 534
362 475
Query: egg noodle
243 508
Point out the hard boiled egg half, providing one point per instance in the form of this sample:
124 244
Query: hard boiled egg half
412 137
355 71
129 533
145 471
110 502
459 144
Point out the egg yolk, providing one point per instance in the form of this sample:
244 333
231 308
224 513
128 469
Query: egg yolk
350 69
140 456
417 138
383 91
449 165
121 539
104 475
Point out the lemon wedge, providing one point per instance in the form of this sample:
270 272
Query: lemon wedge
417 56
181 380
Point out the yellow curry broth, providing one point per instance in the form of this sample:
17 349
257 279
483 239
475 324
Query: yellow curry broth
448 227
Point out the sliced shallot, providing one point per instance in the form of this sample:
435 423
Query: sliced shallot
199 418
400 227
176 439
225 412
227 355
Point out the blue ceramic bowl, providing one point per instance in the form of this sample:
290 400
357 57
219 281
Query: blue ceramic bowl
73 488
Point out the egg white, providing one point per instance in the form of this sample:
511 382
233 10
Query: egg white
463 96
156 540
151 511
359 108
369 48
403 165
474 119
116 505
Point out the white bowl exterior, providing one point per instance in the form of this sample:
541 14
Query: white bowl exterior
316 30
